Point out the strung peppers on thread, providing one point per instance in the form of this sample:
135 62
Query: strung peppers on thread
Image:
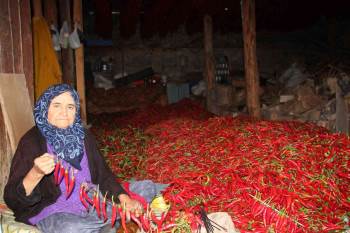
81 196
160 221
71 184
145 221
136 220
97 203
86 196
56 172
104 211
66 181
114 212
61 174
122 214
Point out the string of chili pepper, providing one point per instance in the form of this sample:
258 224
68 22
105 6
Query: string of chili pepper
71 183
82 197
143 221
104 205
122 214
60 173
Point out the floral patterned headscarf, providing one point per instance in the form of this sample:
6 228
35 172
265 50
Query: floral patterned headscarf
68 143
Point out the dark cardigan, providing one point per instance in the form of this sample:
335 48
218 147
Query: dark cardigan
33 145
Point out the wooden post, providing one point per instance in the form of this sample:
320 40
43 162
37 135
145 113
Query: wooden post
67 54
6 42
50 12
250 60
27 46
79 60
37 8
209 69
51 16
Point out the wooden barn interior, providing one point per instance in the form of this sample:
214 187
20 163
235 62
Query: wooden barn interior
241 106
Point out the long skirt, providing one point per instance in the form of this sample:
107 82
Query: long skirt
88 222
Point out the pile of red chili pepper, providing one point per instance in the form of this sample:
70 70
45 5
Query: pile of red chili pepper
269 176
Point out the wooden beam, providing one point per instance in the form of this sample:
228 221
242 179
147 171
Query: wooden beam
6 42
27 46
16 37
209 63
37 8
79 60
51 16
209 52
67 54
50 12
250 60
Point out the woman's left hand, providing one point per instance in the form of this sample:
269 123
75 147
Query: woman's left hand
131 205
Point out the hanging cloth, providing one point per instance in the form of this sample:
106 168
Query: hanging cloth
47 70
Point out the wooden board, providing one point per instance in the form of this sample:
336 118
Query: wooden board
16 54
79 61
250 59
17 116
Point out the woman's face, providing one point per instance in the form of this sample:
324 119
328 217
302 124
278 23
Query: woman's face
62 111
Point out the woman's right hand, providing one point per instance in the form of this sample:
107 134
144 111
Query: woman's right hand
44 164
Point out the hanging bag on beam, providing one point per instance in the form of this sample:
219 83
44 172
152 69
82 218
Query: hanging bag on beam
74 41
64 35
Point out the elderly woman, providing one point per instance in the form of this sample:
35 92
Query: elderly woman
31 191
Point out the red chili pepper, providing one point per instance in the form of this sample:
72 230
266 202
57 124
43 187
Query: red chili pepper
66 180
71 184
86 197
81 197
104 212
136 220
56 172
160 221
61 173
264 216
122 215
170 225
97 204
114 212
145 222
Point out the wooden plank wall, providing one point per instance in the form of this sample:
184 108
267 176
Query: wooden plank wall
16 52
16 56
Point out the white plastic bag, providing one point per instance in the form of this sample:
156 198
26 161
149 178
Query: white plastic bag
224 220
64 35
74 41
55 37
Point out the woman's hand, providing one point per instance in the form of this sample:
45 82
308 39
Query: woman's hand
43 165
131 205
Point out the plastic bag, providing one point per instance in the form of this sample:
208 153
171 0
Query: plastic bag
74 41
223 223
55 37
64 35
